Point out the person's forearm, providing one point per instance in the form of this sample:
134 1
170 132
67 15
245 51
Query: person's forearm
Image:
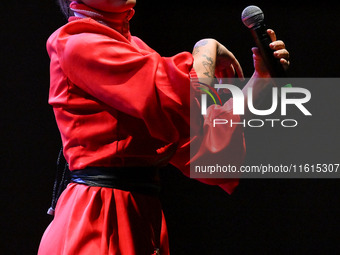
204 54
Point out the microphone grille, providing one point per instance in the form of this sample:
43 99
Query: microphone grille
251 16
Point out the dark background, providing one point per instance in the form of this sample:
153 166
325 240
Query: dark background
262 216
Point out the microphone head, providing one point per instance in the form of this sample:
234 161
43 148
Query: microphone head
251 16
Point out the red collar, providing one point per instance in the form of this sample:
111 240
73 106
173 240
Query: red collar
116 21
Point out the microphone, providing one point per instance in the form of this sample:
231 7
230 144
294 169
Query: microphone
253 18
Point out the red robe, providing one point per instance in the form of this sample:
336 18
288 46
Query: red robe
117 102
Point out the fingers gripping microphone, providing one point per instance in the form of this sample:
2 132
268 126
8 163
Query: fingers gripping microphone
253 18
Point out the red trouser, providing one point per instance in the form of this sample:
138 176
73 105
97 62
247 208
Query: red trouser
96 220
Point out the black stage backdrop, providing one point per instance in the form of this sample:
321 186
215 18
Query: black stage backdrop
262 216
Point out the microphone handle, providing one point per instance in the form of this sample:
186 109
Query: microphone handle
262 41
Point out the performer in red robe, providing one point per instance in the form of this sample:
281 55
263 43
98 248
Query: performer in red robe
122 109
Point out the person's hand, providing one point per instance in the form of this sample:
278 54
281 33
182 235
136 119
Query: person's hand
226 64
279 51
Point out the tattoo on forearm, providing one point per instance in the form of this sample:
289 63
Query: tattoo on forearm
201 43
198 45
206 60
209 66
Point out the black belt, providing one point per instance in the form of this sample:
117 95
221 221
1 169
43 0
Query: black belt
136 179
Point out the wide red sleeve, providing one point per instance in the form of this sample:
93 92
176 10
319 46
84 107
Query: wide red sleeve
210 145
134 81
